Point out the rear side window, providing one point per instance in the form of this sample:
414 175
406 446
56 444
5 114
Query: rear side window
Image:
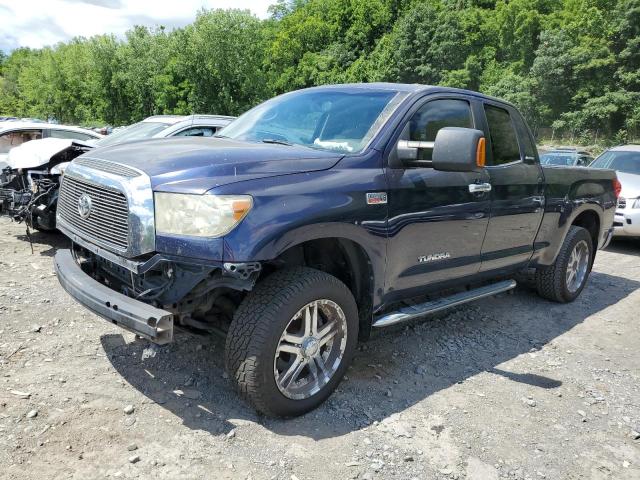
528 144
504 141
434 115
14 138
70 134
197 132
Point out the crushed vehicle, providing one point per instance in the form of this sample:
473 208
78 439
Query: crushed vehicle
27 186
30 180
625 160
318 216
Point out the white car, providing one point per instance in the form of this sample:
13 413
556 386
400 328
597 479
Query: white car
625 160
40 152
29 187
16 133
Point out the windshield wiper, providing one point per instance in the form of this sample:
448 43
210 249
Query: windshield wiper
277 142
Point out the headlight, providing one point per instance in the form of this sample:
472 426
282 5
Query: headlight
636 203
199 215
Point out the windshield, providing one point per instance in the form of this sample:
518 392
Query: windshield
562 159
620 161
137 131
335 120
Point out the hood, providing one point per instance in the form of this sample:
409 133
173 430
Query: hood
630 184
196 164
38 153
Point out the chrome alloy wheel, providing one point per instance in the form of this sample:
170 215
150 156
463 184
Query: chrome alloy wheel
577 266
310 349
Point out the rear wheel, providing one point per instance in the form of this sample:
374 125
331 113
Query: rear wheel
291 340
564 280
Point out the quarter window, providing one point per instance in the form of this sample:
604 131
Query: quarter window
434 115
197 132
17 137
504 141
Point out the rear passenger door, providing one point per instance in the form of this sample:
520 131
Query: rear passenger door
517 195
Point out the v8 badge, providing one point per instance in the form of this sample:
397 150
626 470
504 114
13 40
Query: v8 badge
376 198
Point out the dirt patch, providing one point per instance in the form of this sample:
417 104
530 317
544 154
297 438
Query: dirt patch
508 387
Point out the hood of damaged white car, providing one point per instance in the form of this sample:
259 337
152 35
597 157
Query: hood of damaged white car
38 153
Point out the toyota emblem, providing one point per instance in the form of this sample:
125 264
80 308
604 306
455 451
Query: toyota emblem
84 206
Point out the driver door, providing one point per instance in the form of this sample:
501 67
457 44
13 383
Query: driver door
436 225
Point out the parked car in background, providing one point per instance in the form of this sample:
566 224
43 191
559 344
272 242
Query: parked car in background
29 182
566 157
319 215
15 133
625 160
8 119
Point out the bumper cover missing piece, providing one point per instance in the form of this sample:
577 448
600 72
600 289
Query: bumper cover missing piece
138 317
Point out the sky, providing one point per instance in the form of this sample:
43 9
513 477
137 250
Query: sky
36 23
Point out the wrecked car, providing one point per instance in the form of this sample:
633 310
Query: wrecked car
30 180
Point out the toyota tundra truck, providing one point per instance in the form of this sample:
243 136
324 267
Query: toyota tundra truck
320 215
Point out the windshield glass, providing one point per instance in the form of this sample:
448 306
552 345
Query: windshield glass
625 162
336 120
137 131
563 159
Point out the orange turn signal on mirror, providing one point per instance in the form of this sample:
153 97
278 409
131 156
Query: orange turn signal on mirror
481 152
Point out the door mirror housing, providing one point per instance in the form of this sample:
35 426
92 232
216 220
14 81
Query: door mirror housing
454 150
459 150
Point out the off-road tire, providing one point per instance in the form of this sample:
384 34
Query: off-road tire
256 329
551 280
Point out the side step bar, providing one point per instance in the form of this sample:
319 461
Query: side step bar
419 310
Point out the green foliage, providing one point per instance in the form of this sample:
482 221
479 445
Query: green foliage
571 64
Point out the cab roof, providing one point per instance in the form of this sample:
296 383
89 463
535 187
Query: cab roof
626 148
412 88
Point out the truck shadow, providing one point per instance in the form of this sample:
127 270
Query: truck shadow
396 369
51 240
626 246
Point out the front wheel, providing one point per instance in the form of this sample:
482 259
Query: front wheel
291 340
564 280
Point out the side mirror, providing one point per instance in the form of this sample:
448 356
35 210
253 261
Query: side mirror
459 150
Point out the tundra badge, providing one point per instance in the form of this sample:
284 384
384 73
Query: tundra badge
433 257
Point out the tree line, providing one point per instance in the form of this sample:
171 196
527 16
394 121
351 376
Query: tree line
570 64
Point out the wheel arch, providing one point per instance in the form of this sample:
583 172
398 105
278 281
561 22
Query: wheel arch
590 221
342 257
556 227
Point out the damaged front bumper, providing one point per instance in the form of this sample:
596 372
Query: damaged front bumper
138 317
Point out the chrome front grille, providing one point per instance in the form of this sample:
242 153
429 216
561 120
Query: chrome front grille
108 221
108 167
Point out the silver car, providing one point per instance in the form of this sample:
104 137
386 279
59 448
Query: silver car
625 160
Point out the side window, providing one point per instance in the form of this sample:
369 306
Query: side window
197 132
504 141
69 134
17 137
527 142
584 160
433 116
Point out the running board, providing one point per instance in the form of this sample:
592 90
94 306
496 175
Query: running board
421 309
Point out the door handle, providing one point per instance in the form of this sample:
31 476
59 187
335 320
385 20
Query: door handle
479 187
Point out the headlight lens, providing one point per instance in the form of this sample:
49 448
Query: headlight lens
199 215
636 203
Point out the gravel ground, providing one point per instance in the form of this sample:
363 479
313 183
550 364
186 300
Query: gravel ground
508 387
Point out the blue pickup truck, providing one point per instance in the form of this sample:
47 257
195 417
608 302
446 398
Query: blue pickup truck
319 215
